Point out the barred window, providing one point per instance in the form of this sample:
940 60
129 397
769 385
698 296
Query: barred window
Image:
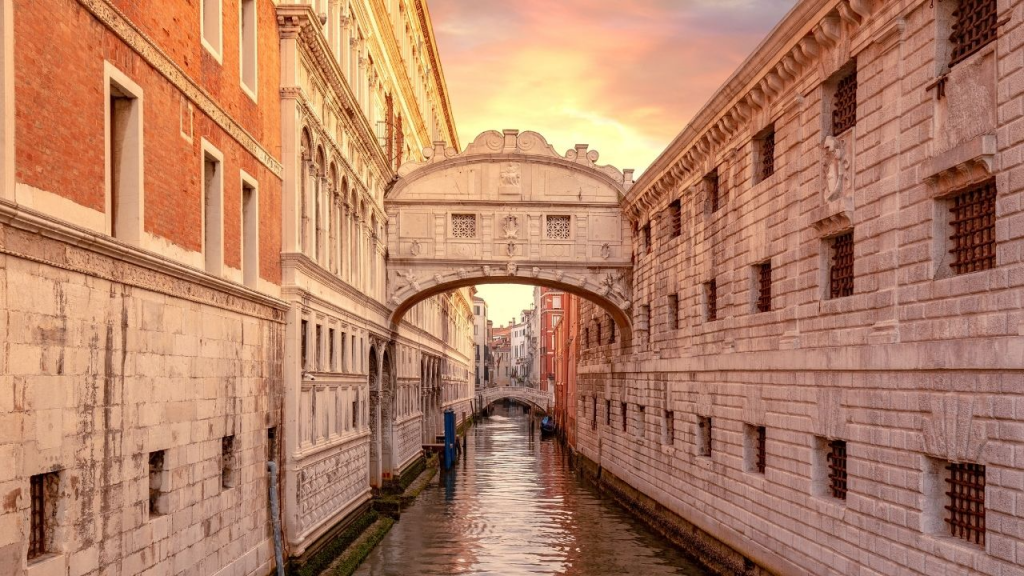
760 449
765 151
965 512
704 436
647 238
713 184
593 415
156 483
464 225
972 214
841 272
844 103
558 227
837 469
641 421
711 298
607 412
676 213
624 419
764 286
673 311
44 490
975 24
611 330
227 461
670 427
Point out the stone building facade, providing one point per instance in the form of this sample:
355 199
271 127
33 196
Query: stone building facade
826 368
140 315
361 93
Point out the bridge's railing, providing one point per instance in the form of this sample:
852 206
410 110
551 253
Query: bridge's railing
542 399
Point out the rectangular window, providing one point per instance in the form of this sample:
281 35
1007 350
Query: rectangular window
625 421
974 26
213 209
711 301
44 489
763 275
124 156
756 455
247 46
227 462
675 210
836 461
713 187
648 247
764 150
355 411
673 311
704 436
556 302
844 102
331 352
972 215
319 348
250 232
463 225
211 24
157 484
965 509
611 330
607 412
841 269
641 421
670 428
593 414
304 338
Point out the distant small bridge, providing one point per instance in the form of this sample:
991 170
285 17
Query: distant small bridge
540 400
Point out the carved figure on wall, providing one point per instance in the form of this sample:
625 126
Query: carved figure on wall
510 176
487 270
511 227
416 248
511 268
536 272
606 251
510 248
835 167
410 279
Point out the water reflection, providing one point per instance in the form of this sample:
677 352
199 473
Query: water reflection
513 506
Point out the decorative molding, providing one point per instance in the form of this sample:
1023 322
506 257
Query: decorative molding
950 431
961 166
112 18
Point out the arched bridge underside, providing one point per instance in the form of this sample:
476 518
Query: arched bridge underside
541 401
509 209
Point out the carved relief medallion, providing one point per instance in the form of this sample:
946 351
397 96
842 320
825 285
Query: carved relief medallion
510 226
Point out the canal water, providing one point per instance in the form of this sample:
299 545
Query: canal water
512 505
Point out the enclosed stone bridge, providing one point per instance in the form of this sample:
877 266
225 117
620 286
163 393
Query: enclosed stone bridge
510 209
538 399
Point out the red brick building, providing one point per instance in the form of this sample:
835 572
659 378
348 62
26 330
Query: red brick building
566 354
550 306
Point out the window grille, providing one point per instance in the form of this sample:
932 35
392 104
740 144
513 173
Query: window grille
37 529
607 412
966 508
593 415
975 24
558 227
611 330
676 212
623 416
464 225
711 289
705 430
156 470
670 427
841 274
647 238
761 462
673 311
227 461
641 421
973 218
768 154
714 190
764 287
837 468
844 104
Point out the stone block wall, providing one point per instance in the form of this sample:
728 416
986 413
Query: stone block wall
919 368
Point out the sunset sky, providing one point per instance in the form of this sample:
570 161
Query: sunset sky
624 77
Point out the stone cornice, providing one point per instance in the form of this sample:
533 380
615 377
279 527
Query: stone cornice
298 21
769 73
307 266
97 255
114 20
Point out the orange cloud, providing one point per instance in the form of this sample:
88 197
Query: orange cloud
622 77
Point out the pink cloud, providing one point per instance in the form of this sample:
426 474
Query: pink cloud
622 77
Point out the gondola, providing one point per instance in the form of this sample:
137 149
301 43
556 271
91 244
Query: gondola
547 426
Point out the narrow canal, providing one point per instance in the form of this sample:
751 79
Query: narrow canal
513 506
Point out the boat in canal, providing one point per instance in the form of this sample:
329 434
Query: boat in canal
547 426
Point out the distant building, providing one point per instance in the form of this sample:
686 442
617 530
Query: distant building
501 352
481 342
549 304
524 349
565 353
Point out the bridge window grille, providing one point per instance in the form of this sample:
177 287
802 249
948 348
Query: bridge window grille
765 152
464 225
675 210
624 419
965 512
764 287
673 311
837 469
713 184
704 436
972 214
711 296
844 104
841 272
558 227
975 25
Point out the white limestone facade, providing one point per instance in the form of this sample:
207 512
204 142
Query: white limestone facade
806 282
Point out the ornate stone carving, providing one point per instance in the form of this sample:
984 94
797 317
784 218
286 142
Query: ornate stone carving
606 251
836 168
510 226
511 268
510 249
416 249
950 431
